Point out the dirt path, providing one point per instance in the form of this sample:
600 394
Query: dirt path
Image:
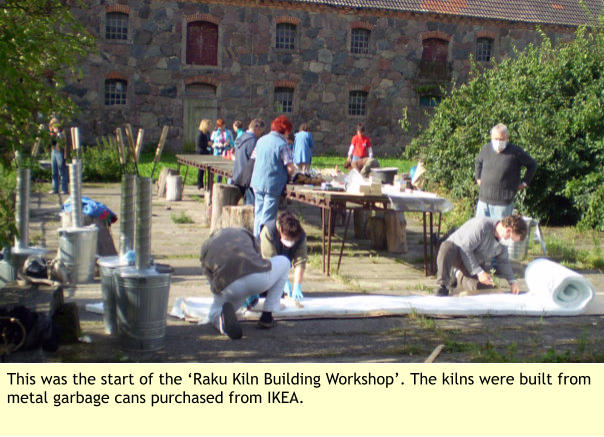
386 339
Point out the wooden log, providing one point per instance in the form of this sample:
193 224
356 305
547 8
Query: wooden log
395 226
360 223
174 188
206 210
238 216
222 195
376 230
139 143
162 181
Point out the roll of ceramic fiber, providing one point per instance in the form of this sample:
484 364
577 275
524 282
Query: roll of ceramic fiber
567 289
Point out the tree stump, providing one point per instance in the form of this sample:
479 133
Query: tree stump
222 195
396 227
162 181
206 210
360 223
376 230
238 216
174 188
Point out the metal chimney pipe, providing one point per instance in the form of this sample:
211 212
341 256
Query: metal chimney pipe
142 234
75 190
22 207
127 213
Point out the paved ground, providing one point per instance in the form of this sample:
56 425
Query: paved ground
386 339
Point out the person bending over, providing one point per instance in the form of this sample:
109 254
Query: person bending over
231 260
463 257
285 236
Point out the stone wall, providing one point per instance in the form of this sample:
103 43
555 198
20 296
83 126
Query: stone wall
321 69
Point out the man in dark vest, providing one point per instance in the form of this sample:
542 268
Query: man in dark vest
285 236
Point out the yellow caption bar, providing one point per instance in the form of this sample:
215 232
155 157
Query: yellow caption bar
301 399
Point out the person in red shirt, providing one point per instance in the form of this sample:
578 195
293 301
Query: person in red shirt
360 145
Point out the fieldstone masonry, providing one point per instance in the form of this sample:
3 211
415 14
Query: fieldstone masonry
321 68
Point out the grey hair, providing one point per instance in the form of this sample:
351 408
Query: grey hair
257 123
501 128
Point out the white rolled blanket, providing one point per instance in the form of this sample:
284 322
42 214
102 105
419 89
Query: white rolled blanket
554 290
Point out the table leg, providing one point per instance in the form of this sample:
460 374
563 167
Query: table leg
348 214
186 172
329 225
436 246
425 247
431 244
323 236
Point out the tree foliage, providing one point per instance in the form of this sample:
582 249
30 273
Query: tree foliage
40 45
552 100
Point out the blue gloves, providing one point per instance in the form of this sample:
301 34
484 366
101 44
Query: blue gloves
251 301
287 288
297 294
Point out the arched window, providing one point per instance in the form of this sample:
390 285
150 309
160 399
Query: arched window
435 49
284 100
359 41
116 26
484 49
115 91
357 103
202 43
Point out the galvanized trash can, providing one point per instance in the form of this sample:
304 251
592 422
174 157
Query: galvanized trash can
77 250
108 267
518 250
142 308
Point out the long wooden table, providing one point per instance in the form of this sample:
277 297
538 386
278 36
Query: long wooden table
331 201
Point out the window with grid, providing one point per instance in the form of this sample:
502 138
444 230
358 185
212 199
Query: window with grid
284 100
286 36
115 92
116 26
429 101
357 103
359 41
484 48
202 43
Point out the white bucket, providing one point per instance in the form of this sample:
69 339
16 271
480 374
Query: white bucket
174 188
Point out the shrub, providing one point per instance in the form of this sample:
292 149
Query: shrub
101 162
551 99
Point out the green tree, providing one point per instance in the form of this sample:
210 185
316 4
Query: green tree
40 46
552 100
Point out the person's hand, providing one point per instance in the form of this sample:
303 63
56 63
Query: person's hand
485 278
297 294
287 288
514 288
522 186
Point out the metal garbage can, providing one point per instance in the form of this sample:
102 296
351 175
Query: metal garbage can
108 267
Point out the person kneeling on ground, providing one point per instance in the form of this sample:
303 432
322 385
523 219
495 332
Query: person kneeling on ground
463 257
232 262
286 237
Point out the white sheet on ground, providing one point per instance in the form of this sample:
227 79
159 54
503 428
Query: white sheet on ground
554 290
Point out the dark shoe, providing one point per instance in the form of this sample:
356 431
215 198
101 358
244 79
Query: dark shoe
266 325
442 291
228 322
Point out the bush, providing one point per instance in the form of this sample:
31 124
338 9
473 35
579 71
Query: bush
101 162
551 99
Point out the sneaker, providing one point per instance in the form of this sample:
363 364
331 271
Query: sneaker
53 192
442 291
65 192
228 322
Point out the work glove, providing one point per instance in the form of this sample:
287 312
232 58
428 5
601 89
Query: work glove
251 301
297 293
287 289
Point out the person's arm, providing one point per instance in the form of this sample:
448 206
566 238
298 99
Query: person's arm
267 248
531 166
311 142
370 151
478 167
504 267
350 150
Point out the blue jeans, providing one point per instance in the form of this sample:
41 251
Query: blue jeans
494 211
59 170
265 209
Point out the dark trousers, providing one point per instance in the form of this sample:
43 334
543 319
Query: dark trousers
449 257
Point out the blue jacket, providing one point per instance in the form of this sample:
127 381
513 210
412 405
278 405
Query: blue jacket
270 174
244 146
303 142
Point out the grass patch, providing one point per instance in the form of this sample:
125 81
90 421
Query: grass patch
577 250
182 219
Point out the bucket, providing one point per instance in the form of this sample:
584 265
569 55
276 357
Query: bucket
142 308
518 250
77 250
384 175
174 188
108 267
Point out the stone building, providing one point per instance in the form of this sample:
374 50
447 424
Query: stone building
331 63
